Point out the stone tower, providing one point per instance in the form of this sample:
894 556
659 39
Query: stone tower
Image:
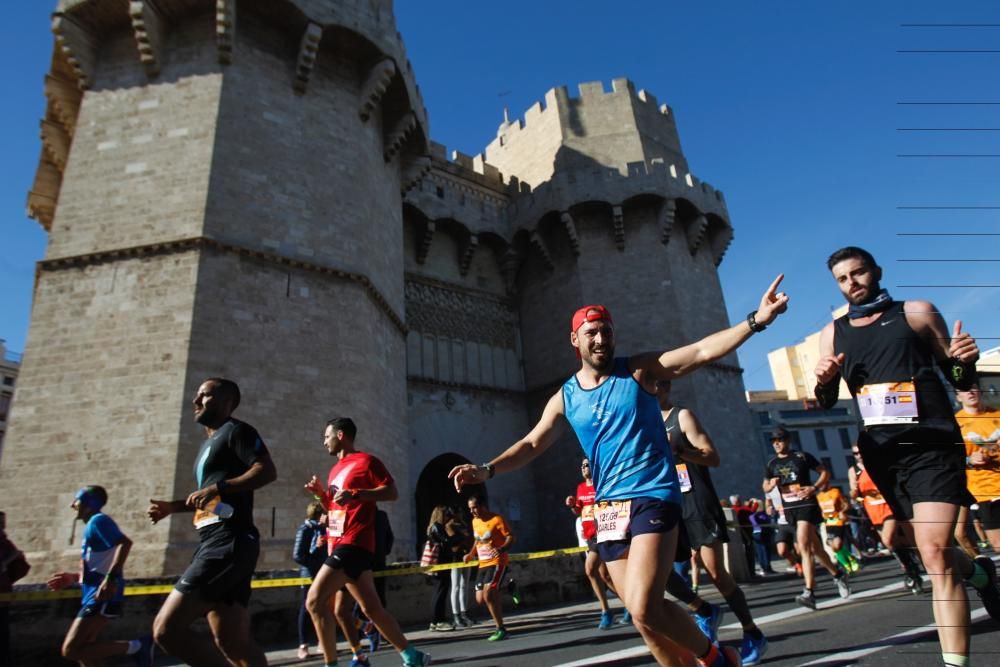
223 195
587 200
254 194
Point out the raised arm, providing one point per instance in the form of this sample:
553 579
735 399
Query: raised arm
676 363
522 452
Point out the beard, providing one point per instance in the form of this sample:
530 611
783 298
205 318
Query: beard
869 295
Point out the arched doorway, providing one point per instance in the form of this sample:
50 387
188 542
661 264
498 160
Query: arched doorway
434 488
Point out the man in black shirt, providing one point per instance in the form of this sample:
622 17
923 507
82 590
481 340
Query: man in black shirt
705 522
791 473
230 465
889 354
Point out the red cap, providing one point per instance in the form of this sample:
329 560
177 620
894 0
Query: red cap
590 314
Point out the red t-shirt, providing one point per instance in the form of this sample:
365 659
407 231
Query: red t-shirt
354 524
585 495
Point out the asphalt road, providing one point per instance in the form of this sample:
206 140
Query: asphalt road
881 624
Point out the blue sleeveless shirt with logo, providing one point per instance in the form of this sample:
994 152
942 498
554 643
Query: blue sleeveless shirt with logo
620 429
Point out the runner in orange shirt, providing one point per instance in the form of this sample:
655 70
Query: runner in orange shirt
981 432
492 540
833 504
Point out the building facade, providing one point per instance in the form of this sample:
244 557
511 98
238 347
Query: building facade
793 366
10 365
249 189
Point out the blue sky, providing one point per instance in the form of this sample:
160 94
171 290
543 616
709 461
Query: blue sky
792 108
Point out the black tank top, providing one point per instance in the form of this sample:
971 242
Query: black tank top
888 350
701 500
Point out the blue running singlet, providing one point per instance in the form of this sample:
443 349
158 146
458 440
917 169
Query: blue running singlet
620 429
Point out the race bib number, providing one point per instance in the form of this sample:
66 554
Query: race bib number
684 475
612 519
791 493
206 516
888 403
337 519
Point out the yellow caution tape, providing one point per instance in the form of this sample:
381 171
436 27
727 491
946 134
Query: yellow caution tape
163 589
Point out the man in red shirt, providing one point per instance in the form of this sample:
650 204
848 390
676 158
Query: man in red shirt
582 504
355 483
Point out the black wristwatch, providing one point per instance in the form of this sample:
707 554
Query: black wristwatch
489 468
755 326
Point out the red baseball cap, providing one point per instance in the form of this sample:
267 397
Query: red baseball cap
590 314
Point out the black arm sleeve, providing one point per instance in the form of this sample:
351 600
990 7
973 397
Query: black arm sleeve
827 394
962 376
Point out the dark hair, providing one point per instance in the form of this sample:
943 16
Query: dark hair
851 252
345 424
479 498
99 493
230 390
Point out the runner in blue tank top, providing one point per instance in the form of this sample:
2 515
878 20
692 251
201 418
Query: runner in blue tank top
611 405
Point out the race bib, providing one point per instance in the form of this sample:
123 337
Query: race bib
791 493
206 516
684 476
888 403
337 519
485 551
612 519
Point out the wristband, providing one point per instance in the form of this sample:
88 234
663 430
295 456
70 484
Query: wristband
827 394
963 375
755 326
489 468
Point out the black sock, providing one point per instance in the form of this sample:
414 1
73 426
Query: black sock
679 589
754 633
738 603
705 610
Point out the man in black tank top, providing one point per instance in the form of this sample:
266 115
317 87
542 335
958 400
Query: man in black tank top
704 519
888 352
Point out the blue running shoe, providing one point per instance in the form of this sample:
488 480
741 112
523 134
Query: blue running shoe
624 619
418 659
359 661
752 650
147 649
607 620
709 625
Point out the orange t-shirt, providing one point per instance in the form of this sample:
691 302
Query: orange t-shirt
982 433
876 506
490 535
833 503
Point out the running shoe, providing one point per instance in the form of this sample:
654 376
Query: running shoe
726 657
752 650
624 619
515 592
500 634
914 583
806 599
709 625
359 661
694 588
843 587
147 650
607 620
442 626
374 640
989 594
466 621
419 659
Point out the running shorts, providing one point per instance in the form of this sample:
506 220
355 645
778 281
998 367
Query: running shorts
353 560
929 467
646 515
989 514
221 572
808 513
107 609
490 577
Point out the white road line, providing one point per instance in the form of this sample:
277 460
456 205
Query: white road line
640 651
881 644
